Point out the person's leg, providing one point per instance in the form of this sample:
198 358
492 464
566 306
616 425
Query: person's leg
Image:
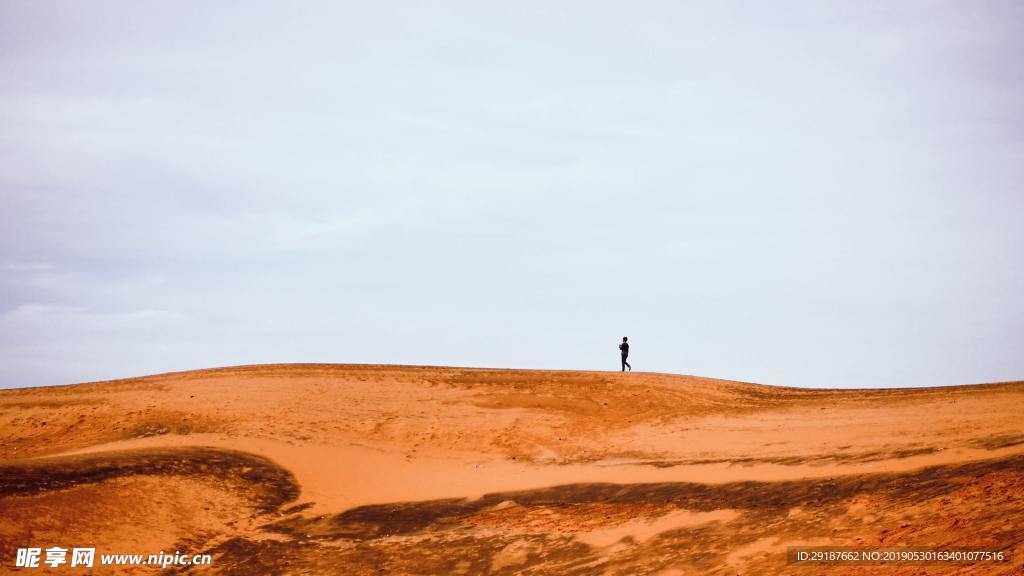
627 364
623 363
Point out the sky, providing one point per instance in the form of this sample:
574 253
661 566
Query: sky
822 194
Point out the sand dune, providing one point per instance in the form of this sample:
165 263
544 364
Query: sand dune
342 469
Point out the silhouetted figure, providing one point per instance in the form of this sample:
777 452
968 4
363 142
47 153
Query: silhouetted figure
624 348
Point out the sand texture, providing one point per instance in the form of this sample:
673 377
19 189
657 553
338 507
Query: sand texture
350 469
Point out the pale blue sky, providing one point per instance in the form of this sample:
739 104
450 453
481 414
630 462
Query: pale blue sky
798 193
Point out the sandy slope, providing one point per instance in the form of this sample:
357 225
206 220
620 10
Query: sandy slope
384 469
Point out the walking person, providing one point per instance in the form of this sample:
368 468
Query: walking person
624 348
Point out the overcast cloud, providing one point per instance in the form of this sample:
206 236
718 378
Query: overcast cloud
800 193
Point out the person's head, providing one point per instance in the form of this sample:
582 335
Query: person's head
624 339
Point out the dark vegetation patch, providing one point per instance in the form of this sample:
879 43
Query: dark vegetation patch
369 522
297 508
998 441
838 458
459 536
263 481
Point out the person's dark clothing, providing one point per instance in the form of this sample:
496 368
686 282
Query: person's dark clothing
624 347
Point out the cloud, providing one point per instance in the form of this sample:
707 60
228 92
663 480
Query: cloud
29 267
804 194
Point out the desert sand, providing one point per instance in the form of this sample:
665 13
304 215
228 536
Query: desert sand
357 469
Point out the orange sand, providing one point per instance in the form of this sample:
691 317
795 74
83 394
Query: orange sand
413 470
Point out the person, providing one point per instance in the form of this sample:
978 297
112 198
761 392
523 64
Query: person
624 348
